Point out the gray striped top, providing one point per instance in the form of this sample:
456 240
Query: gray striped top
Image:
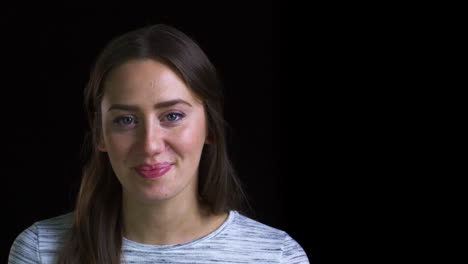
238 240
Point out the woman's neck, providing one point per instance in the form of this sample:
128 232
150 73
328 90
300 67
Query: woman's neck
168 222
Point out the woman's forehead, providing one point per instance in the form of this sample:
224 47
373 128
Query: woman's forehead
145 82
144 77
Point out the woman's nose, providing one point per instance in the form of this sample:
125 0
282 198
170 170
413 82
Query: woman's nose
153 138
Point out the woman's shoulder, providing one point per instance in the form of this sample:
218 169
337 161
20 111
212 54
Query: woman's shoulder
57 223
52 231
245 224
260 237
41 240
49 229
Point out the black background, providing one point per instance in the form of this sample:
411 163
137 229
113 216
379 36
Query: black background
47 55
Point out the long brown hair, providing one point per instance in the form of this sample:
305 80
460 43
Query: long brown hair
96 234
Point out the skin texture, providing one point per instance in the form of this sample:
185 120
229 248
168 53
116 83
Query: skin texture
165 210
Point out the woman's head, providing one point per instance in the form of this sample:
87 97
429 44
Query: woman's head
144 68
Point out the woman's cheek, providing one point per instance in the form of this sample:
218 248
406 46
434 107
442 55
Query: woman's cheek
118 145
191 138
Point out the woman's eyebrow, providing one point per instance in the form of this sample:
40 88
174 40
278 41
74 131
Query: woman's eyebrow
164 104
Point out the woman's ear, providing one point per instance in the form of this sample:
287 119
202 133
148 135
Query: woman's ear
208 137
102 145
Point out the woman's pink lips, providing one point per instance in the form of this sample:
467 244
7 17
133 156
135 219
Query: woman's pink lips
152 171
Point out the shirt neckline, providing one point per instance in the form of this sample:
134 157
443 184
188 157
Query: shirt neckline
132 245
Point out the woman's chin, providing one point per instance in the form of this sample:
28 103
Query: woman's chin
155 196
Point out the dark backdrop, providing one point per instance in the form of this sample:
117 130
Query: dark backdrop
47 55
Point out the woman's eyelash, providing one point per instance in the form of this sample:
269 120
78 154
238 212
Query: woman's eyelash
124 120
174 116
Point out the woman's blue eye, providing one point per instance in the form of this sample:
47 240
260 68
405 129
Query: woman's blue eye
124 120
172 117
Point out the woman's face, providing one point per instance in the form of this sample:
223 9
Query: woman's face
154 130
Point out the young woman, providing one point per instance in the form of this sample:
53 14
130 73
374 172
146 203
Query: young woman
158 186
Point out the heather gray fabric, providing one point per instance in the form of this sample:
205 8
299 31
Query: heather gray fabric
239 240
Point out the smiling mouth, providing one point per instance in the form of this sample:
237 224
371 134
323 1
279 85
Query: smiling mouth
153 171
